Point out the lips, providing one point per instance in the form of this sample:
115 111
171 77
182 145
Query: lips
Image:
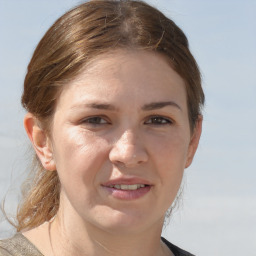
127 188
126 181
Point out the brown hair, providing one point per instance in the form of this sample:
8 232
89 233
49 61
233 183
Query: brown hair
80 35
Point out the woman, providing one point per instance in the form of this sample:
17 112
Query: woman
113 97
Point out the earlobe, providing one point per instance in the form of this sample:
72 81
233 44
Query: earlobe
40 141
194 141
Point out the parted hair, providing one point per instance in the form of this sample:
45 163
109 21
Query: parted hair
81 34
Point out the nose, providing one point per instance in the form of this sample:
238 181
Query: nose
128 150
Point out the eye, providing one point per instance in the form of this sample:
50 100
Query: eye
159 120
95 120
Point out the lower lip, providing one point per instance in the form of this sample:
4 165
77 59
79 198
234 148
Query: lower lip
128 194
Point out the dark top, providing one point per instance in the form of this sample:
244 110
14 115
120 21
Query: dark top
19 245
175 249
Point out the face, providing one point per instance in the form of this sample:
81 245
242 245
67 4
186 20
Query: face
120 141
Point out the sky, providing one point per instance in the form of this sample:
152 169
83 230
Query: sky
218 211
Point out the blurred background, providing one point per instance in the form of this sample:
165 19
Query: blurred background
218 211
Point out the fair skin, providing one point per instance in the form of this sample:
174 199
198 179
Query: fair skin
120 141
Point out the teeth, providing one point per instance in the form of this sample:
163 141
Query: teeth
128 187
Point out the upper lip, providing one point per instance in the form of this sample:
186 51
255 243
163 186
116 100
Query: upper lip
126 181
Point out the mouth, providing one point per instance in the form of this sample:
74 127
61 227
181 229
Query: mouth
127 189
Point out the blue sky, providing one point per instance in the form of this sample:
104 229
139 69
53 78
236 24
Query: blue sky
218 216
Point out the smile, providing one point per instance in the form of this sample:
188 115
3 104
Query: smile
127 187
127 191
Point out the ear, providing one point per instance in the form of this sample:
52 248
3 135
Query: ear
40 141
194 141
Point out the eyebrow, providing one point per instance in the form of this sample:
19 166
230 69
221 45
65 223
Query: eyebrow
158 105
99 106
146 107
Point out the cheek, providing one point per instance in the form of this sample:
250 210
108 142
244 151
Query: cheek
171 150
170 156
80 159
78 155
171 165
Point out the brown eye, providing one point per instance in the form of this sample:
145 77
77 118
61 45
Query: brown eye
158 120
96 120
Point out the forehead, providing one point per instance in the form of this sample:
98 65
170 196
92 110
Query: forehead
129 75
118 62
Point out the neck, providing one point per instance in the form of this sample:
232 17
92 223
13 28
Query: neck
91 241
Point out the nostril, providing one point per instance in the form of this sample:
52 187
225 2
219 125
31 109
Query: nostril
128 151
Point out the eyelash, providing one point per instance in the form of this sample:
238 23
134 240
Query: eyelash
159 120
95 120
153 120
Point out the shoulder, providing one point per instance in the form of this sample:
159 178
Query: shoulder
175 249
18 245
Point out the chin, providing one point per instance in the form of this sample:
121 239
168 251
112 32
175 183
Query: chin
129 222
